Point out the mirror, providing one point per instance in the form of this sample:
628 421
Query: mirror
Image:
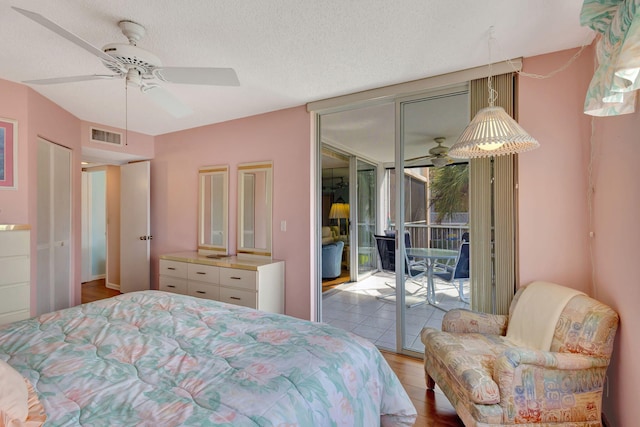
213 210
254 208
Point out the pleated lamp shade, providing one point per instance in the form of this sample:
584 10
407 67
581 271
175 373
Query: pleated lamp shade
339 211
492 132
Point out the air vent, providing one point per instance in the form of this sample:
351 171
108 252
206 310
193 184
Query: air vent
105 137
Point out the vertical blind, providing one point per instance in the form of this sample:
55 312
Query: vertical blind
493 211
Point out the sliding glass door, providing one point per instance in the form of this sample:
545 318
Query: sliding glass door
427 125
388 150
365 218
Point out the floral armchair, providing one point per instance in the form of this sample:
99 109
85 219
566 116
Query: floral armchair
490 380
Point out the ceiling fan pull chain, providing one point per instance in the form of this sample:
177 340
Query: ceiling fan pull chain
126 112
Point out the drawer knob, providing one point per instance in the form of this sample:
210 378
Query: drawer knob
201 292
171 286
171 268
236 277
236 298
200 272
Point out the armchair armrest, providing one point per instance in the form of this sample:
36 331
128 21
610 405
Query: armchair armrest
467 321
550 360
531 380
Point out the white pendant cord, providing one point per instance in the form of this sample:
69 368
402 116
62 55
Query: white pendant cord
126 112
493 94
554 72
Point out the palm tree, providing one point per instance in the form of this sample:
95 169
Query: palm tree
449 190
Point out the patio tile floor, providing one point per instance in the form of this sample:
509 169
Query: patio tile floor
354 307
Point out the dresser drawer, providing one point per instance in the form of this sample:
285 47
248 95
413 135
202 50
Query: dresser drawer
14 243
244 279
14 298
173 284
204 290
203 273
173 268
239 297
14 316
14 269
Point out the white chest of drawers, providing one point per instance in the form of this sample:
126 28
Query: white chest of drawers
15 269
248 282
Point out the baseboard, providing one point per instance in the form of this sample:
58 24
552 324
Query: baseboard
113 286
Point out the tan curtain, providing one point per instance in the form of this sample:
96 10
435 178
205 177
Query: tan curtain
493 206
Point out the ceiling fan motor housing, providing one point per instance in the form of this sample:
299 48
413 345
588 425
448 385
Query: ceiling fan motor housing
132 56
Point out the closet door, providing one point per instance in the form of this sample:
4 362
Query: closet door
54 227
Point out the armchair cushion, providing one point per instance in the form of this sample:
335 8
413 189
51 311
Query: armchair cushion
540 300
491 380
470 357
462 320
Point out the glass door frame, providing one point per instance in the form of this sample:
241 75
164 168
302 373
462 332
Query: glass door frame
354 232
400 243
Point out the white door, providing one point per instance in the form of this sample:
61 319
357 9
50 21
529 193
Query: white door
135 228
86 218
53 283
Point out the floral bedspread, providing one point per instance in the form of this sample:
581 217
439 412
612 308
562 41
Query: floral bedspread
158 359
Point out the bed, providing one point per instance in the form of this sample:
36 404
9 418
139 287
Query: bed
160 359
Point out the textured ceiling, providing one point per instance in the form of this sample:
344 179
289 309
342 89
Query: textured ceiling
285 52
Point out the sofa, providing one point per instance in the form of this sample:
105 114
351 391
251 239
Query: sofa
492 377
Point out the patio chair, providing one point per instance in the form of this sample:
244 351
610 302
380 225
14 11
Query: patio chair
414 270
458 272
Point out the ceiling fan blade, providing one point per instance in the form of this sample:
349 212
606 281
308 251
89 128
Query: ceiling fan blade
66 34
165 100
417 158
198 75
72 79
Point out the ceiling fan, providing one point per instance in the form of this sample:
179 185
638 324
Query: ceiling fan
438 154
139 67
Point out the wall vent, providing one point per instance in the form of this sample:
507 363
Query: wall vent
105 137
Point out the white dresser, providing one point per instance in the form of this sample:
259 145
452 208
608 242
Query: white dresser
250 282
15 269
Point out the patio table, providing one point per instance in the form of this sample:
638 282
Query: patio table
430 255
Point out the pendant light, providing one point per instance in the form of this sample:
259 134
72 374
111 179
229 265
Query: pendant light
492 132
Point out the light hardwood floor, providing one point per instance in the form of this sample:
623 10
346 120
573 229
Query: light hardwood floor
433 407
95 290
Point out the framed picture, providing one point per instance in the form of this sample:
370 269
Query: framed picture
8 153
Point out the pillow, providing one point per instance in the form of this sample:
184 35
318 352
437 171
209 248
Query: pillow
327 235
14 395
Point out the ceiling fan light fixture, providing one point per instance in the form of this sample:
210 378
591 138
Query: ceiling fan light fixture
492 132
440 162
133 77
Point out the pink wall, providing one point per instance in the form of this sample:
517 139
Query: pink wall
616 254
283 137
39 117
553 179
136 144
48 121
554 212
14 203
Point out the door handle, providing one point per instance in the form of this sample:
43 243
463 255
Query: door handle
143 237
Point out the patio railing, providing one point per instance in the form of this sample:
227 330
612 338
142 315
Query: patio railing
442 236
